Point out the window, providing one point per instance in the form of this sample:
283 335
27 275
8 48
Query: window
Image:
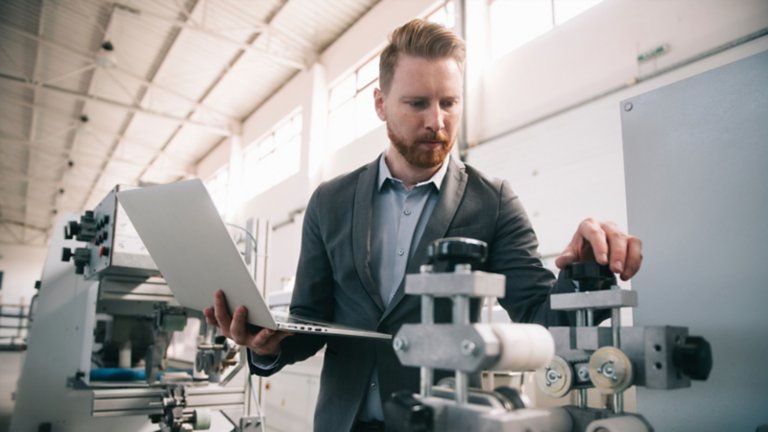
351 111
274 157
217 187
516 22
444 15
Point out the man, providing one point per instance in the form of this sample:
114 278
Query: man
365 230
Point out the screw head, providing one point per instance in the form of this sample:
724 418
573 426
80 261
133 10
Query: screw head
468 347
400 344
583 373
628 106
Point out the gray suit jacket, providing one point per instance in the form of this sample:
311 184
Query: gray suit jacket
334 280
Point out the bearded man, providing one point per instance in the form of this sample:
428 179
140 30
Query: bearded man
365 230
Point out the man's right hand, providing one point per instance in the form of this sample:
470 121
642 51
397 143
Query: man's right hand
261 341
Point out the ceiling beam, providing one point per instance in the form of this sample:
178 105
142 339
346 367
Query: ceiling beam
89 58
138 98
235 59
32 129
74 124
258 28
112 103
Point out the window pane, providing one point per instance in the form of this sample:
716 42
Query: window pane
368 73
444 16
340 126
367 119
567 9
217 188
515 22
342 92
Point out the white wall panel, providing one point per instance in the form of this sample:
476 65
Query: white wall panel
597 51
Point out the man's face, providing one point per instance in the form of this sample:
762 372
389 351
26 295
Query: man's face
422 109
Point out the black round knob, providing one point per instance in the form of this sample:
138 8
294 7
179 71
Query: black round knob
450 251
590 276
694 357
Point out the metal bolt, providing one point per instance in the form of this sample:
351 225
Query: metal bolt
583 373
400 344
608 370
552 376
628 106
468 348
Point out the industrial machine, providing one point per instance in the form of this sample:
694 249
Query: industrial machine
610 359
110 348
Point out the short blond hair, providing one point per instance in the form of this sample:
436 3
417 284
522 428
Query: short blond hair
419 38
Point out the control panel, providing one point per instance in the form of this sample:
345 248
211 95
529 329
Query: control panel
113 247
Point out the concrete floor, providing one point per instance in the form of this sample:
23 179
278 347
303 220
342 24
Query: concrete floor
10 369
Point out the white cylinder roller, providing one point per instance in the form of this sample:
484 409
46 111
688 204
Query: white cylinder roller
124 355
524 347
619 424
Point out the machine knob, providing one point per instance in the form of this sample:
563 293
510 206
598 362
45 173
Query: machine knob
71 229
446 253
87 229
590 276
66 254
694 358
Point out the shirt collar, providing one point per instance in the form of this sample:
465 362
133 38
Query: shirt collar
385 173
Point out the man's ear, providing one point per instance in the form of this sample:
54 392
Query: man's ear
378 98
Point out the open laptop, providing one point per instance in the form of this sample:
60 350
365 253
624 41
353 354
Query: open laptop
187 239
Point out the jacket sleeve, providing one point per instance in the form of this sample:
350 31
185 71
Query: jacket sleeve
312 294
514 253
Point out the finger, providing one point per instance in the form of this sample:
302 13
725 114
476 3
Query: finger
564 259
634 258
238 327
617 246
593 233
221 311
571 252
267 342
210 316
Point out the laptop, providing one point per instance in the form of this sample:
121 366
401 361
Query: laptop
187 239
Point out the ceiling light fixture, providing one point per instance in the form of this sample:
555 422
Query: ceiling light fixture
105 57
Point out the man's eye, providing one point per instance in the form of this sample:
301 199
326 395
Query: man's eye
448 104
417 104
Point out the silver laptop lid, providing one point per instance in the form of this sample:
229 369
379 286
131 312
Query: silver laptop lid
182 230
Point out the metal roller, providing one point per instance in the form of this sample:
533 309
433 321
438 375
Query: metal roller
556 379
610 370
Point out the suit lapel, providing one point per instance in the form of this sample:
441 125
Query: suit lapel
451 193
361 229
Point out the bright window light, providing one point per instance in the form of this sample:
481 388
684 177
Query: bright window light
567 9
351 108
274 157
444 15
217 186
517 22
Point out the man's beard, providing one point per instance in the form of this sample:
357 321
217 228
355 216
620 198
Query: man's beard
422 156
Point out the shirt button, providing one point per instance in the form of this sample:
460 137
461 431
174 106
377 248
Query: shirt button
400 252
373 384
406 212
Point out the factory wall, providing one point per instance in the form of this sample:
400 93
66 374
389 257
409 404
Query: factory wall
545 116
21 265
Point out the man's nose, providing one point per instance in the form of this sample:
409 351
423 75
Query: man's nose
435 118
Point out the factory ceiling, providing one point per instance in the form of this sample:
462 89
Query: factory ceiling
97 93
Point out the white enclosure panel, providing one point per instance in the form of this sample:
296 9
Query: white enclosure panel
696 154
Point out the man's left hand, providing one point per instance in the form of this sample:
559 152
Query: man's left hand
604 243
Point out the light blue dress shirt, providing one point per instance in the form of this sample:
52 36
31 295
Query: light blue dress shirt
399 219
